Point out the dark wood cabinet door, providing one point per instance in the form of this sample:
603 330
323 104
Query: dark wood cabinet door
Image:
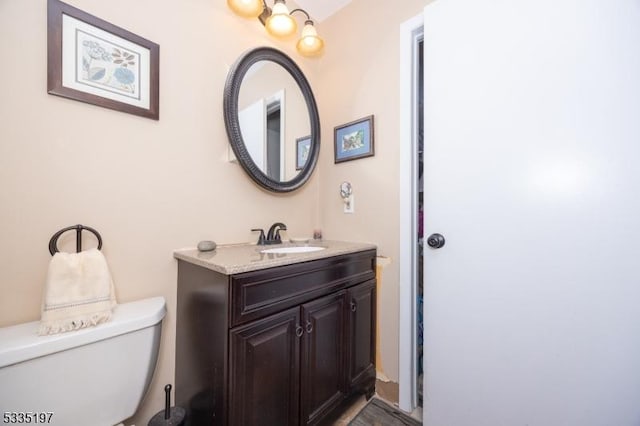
323 355
264 368
362 325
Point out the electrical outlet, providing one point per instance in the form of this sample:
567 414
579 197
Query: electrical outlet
349 205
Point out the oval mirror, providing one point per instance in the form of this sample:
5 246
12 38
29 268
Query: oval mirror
271 119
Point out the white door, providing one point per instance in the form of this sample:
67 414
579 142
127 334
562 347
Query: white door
253 122
532 174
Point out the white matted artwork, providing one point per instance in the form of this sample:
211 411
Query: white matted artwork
96 62
103 64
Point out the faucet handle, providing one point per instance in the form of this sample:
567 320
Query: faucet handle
277 236
261 238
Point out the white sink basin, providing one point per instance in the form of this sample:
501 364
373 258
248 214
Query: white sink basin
295 249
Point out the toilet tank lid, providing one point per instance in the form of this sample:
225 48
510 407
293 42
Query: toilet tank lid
21 342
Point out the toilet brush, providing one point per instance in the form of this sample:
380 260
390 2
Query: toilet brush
170 416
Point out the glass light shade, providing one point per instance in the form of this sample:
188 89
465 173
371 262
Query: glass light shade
280 23
309 44
246 8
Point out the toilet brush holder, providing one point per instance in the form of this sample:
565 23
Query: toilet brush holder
170 416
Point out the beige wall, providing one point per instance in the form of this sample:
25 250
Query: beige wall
360 76
153 186
148 186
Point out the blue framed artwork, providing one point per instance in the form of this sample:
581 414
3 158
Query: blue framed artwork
303 147
354 140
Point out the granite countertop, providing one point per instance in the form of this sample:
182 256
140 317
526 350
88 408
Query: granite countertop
238 258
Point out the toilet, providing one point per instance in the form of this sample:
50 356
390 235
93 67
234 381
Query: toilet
94 376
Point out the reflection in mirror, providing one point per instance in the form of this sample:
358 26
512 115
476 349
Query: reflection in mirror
273 114
271 118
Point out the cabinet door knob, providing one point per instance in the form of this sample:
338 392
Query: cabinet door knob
299 330
309 327
354 306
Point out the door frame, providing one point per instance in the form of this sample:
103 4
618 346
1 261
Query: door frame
279 99
411 31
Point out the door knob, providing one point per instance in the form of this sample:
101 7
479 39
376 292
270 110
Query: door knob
435 241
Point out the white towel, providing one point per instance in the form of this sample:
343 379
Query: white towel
79 292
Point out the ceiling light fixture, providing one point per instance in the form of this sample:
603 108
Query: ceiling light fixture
280 23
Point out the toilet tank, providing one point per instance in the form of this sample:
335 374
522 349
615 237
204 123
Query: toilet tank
94 376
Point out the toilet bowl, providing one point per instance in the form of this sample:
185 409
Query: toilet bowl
94 376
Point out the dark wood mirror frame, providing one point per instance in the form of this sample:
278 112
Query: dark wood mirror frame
232 123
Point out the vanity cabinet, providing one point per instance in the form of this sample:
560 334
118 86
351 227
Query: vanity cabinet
264 365
278 346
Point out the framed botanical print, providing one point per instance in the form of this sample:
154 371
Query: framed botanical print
93 61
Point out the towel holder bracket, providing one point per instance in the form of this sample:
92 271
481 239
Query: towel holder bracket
53 242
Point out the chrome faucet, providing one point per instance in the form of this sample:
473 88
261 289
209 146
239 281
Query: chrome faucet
273 236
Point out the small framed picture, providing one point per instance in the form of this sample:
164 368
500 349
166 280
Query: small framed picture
303 147
354 140
93 61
